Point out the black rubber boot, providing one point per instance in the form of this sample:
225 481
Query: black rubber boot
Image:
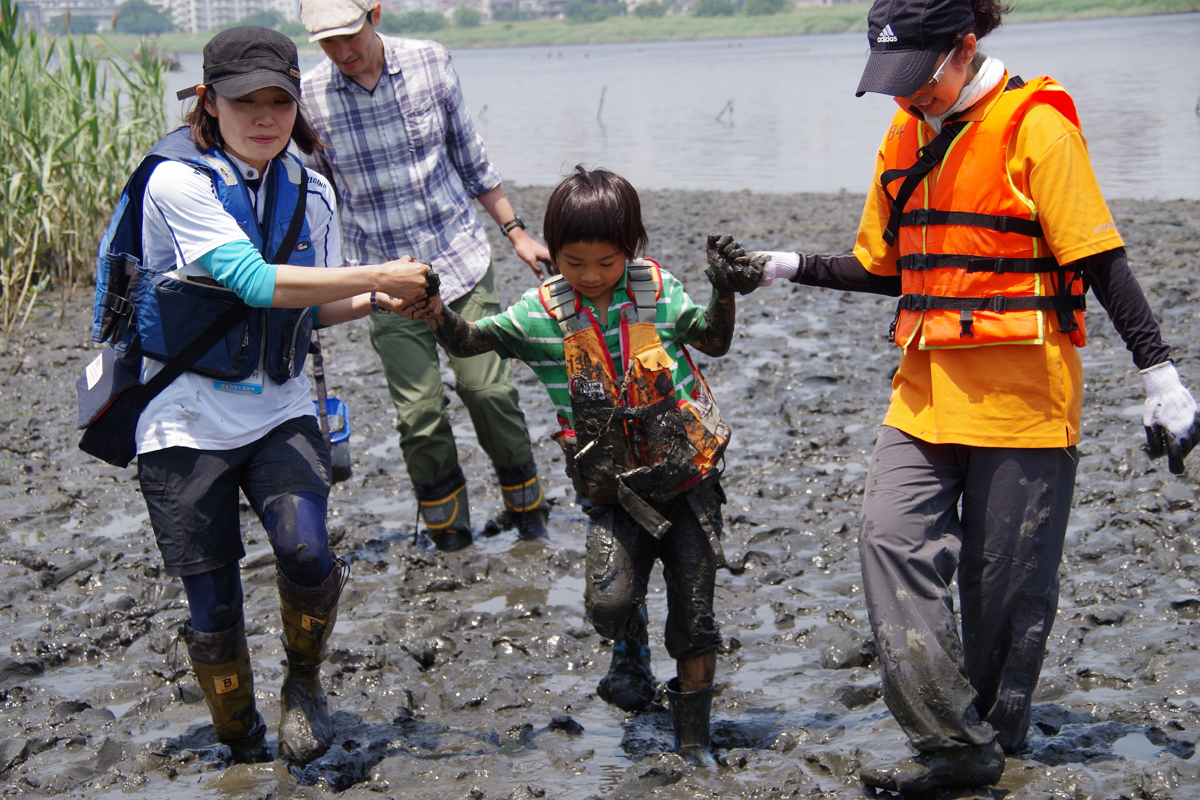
629 684
221 660
309 613
524 501
927 773
445 511
690 713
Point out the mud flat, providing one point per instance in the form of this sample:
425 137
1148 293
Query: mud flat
472 675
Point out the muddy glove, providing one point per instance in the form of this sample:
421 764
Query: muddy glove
433 284
729 268
776 265
1170 417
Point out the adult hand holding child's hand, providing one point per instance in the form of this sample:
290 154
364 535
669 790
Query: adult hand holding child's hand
404 280
729 268
431 304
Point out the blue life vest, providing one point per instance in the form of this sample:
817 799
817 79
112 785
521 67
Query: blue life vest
140 309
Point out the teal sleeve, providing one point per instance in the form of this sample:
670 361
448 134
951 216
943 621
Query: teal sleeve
316 311
240 267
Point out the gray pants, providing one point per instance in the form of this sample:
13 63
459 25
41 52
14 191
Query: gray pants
1006 546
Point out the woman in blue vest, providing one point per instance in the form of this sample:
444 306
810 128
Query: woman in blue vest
227 214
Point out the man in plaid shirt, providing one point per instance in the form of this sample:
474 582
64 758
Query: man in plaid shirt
407 162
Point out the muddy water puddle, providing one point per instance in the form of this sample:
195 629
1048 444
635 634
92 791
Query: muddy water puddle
472 675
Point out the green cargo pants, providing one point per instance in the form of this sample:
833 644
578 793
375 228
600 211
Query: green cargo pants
484 383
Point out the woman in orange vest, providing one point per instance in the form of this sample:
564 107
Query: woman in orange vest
986 220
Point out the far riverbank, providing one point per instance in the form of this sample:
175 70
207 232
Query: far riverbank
799 21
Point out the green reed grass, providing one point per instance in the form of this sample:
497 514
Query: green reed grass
75 120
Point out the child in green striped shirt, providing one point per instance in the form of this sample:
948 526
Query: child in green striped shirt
640 431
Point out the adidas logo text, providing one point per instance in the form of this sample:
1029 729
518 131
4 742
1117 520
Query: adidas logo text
886 35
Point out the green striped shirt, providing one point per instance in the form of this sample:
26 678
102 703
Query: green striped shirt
529 333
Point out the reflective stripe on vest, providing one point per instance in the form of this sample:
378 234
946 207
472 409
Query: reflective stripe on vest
975 266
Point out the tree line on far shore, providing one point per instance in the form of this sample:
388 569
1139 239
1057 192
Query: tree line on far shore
141 18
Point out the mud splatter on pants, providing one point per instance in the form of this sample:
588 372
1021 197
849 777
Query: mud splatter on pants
620 556
1005 546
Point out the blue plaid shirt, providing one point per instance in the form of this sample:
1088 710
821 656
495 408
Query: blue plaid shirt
406 162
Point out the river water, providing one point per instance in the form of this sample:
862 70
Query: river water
779 114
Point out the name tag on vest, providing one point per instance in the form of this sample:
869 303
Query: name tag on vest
252 385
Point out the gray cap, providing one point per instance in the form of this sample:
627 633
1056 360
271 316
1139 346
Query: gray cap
325 18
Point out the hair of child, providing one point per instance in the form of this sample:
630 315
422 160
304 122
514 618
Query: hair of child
594 206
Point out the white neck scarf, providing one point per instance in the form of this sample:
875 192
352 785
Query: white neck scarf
991 72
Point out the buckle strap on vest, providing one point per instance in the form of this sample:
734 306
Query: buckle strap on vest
998 265
928 157
1063 304
1001 224
559 299
998 303
643 289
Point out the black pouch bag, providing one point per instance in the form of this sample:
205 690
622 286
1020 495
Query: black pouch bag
111 398
110 402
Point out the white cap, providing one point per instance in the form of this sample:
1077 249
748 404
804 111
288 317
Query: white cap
325 18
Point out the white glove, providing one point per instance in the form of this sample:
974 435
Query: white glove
1170 416
777 265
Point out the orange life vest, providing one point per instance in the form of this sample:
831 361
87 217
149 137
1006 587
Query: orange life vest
975 266
636 435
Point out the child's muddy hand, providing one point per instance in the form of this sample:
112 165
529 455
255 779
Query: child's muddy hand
423 309
729 268
433 283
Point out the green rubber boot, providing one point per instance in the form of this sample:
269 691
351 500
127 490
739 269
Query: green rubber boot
445 511
524 501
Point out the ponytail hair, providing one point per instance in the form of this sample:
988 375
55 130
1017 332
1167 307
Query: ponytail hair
988 14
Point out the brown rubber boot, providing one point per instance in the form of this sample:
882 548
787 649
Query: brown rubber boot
221 660
927 773
309 612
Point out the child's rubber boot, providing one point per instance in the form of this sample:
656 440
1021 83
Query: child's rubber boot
524 501
629 684
309 613
690 713
445 511
221 660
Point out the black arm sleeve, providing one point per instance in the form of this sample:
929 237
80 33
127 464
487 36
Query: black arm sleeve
844 272
1110 279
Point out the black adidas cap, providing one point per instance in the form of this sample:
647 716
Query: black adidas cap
242 60
906 37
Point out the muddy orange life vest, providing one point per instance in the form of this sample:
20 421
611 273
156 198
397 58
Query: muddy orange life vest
637 435
975 266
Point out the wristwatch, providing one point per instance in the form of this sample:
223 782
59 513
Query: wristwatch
375 309
515 222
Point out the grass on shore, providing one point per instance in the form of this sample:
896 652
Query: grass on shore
798 21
